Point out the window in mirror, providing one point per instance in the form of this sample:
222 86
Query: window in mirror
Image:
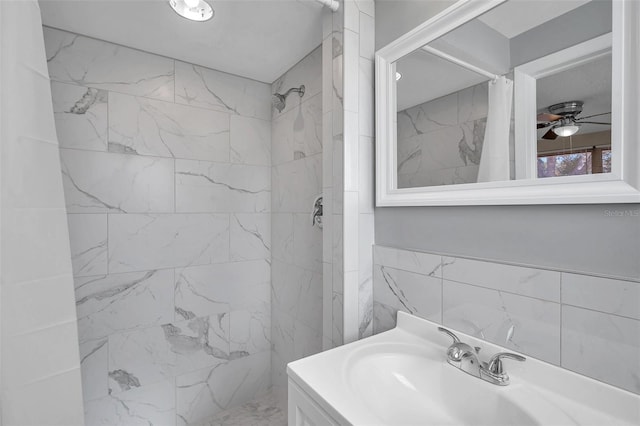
577 100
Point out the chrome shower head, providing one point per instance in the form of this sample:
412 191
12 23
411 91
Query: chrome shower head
279 101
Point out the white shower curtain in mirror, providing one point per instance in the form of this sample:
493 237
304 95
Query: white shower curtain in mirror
40 380
494 162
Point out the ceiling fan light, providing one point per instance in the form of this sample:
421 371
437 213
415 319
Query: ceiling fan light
564 131
195 10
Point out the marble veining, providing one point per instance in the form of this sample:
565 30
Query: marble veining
262 411
149 127
519 307
169 200
440 141
89 62
81 116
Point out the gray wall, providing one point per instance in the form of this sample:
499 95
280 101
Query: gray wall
586 238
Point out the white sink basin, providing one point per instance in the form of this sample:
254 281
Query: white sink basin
418 389
401 378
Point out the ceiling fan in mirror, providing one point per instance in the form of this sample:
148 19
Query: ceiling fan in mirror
563 119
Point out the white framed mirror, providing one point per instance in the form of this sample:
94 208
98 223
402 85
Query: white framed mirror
475 106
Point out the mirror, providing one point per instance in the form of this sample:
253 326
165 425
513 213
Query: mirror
509 102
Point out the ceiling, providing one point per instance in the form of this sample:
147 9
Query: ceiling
518 16
257 39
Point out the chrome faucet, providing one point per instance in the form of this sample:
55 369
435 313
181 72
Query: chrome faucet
465 358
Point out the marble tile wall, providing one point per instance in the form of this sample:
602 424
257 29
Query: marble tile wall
576 321
166 171
348 53
297 247
440 141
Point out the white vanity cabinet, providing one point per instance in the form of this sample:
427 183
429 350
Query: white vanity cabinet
304 411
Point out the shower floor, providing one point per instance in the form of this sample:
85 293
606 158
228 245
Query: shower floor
263 411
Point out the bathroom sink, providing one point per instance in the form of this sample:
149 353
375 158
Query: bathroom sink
420 388
401 377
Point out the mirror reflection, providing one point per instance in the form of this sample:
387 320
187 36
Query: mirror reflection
454 97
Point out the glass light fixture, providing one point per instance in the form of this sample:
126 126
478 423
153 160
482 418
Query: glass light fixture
566 130
195 10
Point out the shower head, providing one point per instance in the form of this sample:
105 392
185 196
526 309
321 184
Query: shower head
279 101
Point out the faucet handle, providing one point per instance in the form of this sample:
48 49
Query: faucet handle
453 336
495 363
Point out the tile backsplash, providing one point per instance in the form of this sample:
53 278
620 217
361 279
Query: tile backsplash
579 322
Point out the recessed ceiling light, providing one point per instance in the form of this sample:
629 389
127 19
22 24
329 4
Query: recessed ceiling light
398 76
195 10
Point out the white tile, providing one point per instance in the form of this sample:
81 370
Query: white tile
282 341
473 103
250 330
296 184
366 104
351 15
89 62
97 182
367 36
524 324
115 303
153 404
250 236
250 141
350 148
221 187
204 393
351 70
306 341
327 150
411 261
366 184
88 240
384 317
590 339
203 290
220 91
338 315
425 118
298 293
164 129
366 6
94 358
327 304
602 294
81 116
308 72
298 133
531 282
350 232
307 243
147 356
409 292
282 236
144 242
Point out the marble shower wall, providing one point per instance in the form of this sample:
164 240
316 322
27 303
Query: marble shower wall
296 298
167 179
348 175
440 141
569 319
